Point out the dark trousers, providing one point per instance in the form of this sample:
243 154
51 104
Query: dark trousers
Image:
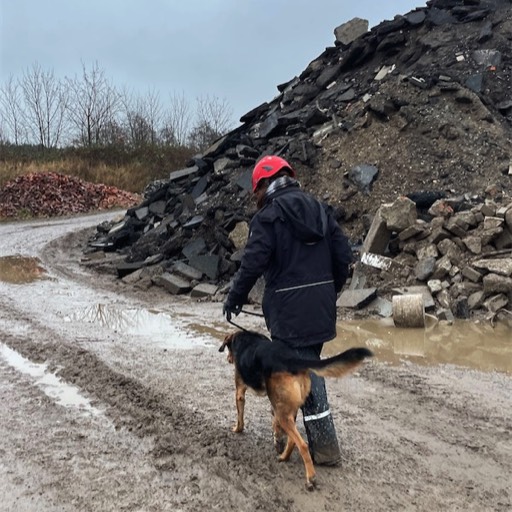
318 422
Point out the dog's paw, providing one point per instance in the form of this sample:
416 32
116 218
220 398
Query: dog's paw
237 429
283 458
311 484
279 444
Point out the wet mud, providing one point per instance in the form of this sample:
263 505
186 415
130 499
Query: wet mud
419 430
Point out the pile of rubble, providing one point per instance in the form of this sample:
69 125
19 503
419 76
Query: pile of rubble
457 255
51 194
419 106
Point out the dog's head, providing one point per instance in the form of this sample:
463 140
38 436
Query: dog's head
228 341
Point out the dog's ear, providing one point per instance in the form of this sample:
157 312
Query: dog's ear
227 342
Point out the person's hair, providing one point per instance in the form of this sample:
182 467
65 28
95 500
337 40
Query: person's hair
285 171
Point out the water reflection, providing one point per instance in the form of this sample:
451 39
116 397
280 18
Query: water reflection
154 326
470 344
19 269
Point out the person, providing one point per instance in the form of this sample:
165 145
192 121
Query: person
297 245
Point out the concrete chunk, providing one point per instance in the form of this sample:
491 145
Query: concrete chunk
493 283
173 283
501 266
377 261
204 290
400 214
183 173
378 236
186 271
351 30
356 299
471 274
239 235
207 263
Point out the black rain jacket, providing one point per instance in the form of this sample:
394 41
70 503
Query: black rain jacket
298 246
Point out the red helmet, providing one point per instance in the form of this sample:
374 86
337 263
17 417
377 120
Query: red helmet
267 167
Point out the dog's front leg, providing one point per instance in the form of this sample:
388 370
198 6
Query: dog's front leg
241 389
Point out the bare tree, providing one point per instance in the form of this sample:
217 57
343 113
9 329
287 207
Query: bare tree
46 101
177 121
94 105
153 112
3 131
143 117
11 105
214 112
213 119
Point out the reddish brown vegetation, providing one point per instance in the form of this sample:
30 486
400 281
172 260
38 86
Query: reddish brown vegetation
51 194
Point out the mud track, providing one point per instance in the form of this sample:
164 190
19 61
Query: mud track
413 438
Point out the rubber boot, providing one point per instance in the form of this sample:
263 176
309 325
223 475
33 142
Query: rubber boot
318 422
319 425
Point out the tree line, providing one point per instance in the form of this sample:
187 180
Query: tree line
88 110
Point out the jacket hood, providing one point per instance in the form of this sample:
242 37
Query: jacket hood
304 214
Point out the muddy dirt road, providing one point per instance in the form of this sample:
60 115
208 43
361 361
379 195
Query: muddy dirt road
119 401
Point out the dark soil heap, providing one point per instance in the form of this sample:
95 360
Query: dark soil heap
419 106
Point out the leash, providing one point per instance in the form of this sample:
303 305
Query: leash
247 313
251 313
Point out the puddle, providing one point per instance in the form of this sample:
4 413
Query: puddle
64 394
19 269
157 327
473 345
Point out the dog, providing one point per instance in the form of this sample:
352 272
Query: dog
272 368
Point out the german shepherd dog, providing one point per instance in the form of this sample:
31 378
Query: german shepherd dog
272 368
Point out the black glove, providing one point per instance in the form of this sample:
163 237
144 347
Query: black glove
230 308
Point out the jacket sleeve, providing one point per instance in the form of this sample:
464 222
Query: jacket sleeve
342 255
255 261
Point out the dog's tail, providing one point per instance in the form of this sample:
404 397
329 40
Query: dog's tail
341 364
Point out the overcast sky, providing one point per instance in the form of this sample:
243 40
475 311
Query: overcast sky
237 50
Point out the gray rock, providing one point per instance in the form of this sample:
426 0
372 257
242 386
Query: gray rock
424 269
449 248
427 251
186 271
443 266
173 283
381 307
350 31
239 235
356 299
125 268
204 290
363 176
471 274
496 302
142 213
476 299
494 283
473 243
183 173
378 236
486 58
501 266
460 308
194 247
206 263
400 214
435 286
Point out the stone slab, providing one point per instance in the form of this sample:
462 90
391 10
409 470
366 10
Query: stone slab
173 283
356 299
